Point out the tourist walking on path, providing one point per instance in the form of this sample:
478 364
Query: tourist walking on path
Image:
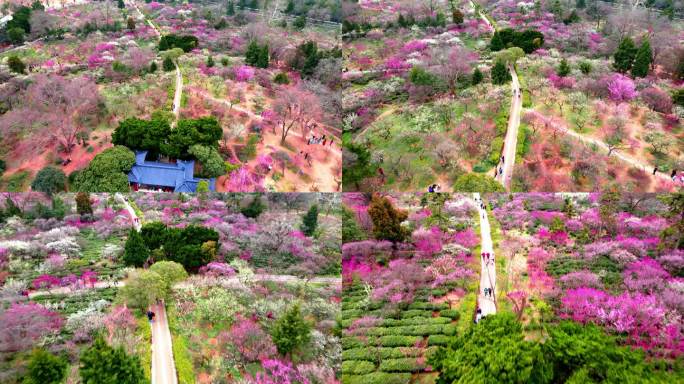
674 174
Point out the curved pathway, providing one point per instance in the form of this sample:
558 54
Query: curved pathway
130 210
487 269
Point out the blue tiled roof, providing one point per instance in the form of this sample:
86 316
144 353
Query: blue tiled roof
179 176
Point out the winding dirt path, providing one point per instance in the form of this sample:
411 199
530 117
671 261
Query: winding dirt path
487 268
623 157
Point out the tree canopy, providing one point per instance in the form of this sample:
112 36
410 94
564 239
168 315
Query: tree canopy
102 364
185 42
107 172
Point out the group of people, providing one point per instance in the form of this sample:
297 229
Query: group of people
487 257
434 188
498 170
319 140
488 292
673 174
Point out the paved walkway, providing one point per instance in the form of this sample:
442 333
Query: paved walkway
511 140
487 269
163 368
130 210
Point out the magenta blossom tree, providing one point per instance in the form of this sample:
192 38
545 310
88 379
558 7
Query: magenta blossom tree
621 88
23 325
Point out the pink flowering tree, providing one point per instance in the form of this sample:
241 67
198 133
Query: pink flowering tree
23 325
621 88
248 338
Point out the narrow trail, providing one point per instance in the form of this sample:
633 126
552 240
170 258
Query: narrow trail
625 158
487 269
131 212
178 94
511 138
163 368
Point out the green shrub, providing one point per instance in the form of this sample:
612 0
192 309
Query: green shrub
351 342
398 341
428 306
438 292
415 313
438 340
281 78
402 365
415 321
357 367
450 313
480 168
449 329
378 378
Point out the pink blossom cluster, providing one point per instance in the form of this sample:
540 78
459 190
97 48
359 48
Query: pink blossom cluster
46 281
428 242
642 317
251 341
216 268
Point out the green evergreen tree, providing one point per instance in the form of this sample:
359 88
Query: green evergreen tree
210 61
136 252
102 364
16 65
252 53
300 22
291 331
290 7
254 4
263 57
167 64
310 221
120 4
83 204
642 60
623 58
477 77
581 4
230 9
16 35
254 208
401 21
242 4
351 230
563 69
45 368
153 67
585 67
496 44
49 180
500 74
